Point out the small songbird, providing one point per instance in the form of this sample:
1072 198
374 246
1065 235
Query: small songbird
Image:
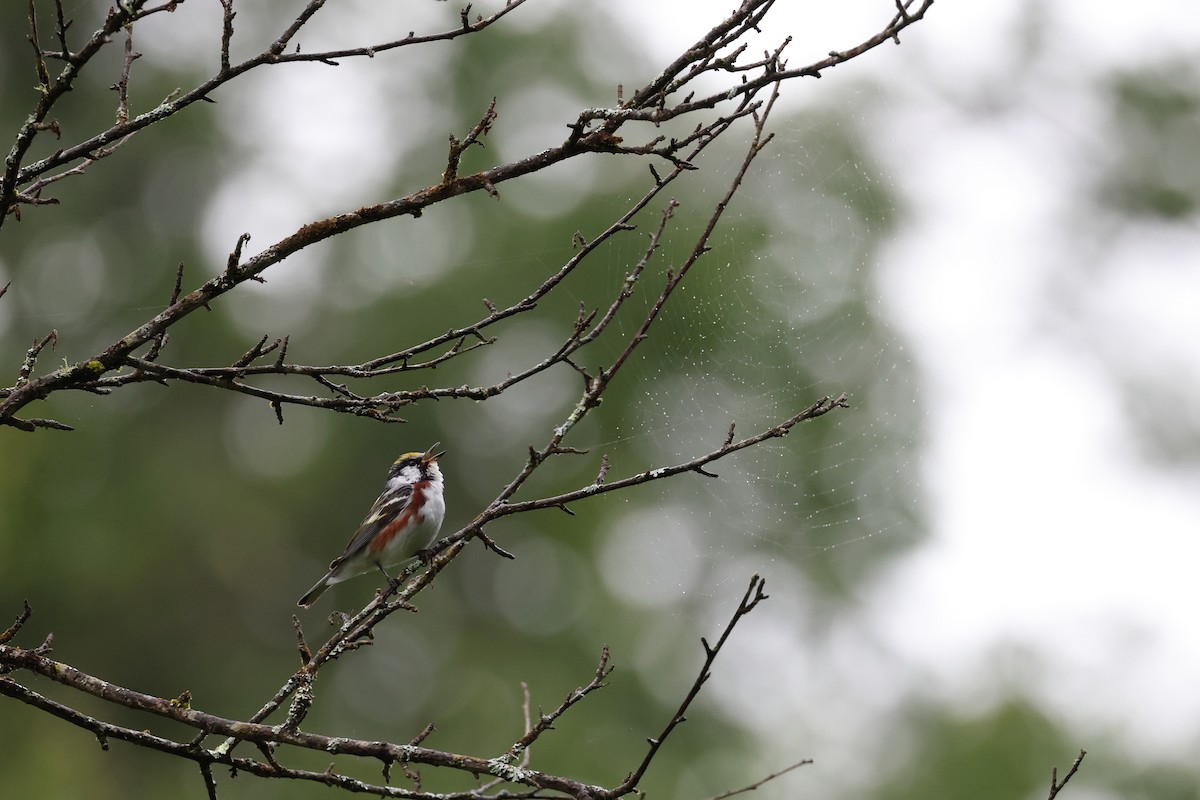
404 521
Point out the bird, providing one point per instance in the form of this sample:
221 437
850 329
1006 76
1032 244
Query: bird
403 521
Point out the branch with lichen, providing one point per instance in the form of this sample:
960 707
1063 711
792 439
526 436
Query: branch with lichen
272 740
613 131
635 128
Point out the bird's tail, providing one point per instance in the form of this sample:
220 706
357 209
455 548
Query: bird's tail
312 594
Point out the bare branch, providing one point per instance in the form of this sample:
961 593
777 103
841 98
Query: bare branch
268 738
753 596
128 11
117 365
632 129
546 721
50 92
30 660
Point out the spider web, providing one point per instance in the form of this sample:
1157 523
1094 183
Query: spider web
781 312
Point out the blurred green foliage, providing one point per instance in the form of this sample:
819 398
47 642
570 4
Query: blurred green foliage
1156 121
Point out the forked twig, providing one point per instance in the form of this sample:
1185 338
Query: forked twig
1056 785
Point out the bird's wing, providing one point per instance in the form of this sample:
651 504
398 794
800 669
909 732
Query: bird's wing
380 514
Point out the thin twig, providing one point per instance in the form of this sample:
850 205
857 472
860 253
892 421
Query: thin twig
122 86
60 29
161 340
227 15
546 721
751 787
31 356
1056 785
460 146
15 628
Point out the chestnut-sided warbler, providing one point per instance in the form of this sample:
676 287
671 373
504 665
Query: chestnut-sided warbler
404 521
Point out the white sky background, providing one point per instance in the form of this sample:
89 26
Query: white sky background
1051 535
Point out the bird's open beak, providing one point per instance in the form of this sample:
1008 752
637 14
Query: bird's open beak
430 456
